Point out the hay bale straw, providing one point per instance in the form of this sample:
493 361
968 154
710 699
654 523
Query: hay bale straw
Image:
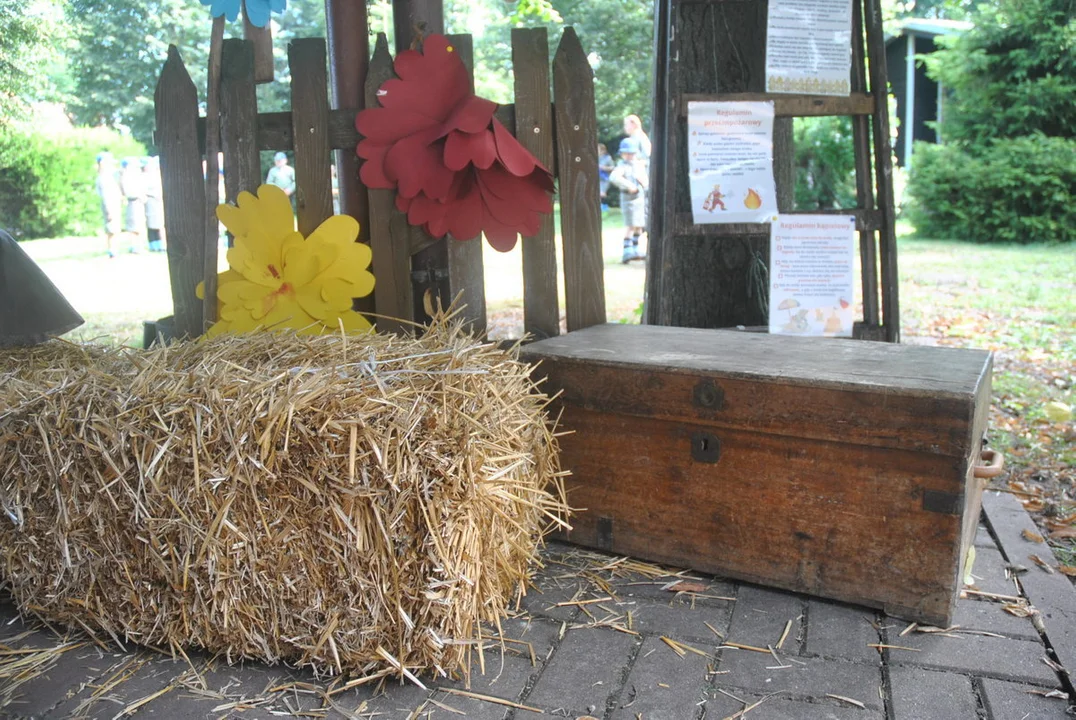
356 505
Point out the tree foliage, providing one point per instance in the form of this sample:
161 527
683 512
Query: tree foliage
118 50
618 36
29 38
1008 172
1012 74
825 163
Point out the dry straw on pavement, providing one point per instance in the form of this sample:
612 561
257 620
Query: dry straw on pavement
359 505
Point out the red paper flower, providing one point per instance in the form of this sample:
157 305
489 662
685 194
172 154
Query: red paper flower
456 169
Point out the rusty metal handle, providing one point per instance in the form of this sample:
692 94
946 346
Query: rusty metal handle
995 463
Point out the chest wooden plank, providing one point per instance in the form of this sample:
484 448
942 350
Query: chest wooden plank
837 468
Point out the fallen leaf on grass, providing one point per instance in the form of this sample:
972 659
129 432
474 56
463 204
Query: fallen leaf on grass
1057 412
1032 536
1069 570
1063 533
1041 563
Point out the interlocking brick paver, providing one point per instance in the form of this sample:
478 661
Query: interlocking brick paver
540 633
74 669
760 617
988 571
929 695
393 701
1012 701
809 677
662 684
505 676
584 670
543 598
991 617
598 671
983 538
677 620
1003 658
1051 593
777 707
840 631
638 587
472 709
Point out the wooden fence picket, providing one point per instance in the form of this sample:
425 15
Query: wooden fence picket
390 235
577 171
176 101
310 130
239 119
534 130
466 276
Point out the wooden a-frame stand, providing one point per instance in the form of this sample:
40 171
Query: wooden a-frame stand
698 58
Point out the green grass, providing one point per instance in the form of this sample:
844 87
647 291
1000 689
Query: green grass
1020 302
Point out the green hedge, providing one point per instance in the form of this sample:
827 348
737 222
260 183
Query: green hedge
1019 190
47 180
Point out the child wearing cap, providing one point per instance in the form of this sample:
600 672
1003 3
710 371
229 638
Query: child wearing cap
630 175
281 174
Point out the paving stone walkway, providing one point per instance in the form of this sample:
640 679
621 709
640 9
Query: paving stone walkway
605 638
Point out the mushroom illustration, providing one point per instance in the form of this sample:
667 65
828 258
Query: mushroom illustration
788 304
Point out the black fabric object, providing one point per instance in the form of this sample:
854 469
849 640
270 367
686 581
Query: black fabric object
31 308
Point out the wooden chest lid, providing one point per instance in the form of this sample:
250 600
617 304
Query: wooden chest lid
904 396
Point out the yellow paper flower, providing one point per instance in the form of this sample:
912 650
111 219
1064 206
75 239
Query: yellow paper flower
279 280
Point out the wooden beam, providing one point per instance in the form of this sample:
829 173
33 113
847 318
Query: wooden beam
274 129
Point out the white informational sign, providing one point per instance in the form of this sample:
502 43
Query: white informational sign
730 161
812 274
809 47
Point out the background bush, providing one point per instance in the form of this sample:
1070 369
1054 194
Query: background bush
47 180
1016 191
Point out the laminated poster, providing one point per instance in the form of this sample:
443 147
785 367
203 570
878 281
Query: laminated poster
809 47
730 161
812 274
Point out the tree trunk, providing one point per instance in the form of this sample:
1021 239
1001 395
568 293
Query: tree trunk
693 280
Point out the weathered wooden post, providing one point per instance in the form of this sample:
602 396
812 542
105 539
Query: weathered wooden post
183 189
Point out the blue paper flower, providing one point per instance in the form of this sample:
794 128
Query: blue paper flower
257 10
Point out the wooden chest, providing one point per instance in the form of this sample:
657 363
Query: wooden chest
838 468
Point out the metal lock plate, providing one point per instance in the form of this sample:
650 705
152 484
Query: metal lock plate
705 447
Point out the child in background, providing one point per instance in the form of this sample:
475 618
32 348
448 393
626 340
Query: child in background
631 177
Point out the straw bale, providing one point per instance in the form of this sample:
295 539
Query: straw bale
358 505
